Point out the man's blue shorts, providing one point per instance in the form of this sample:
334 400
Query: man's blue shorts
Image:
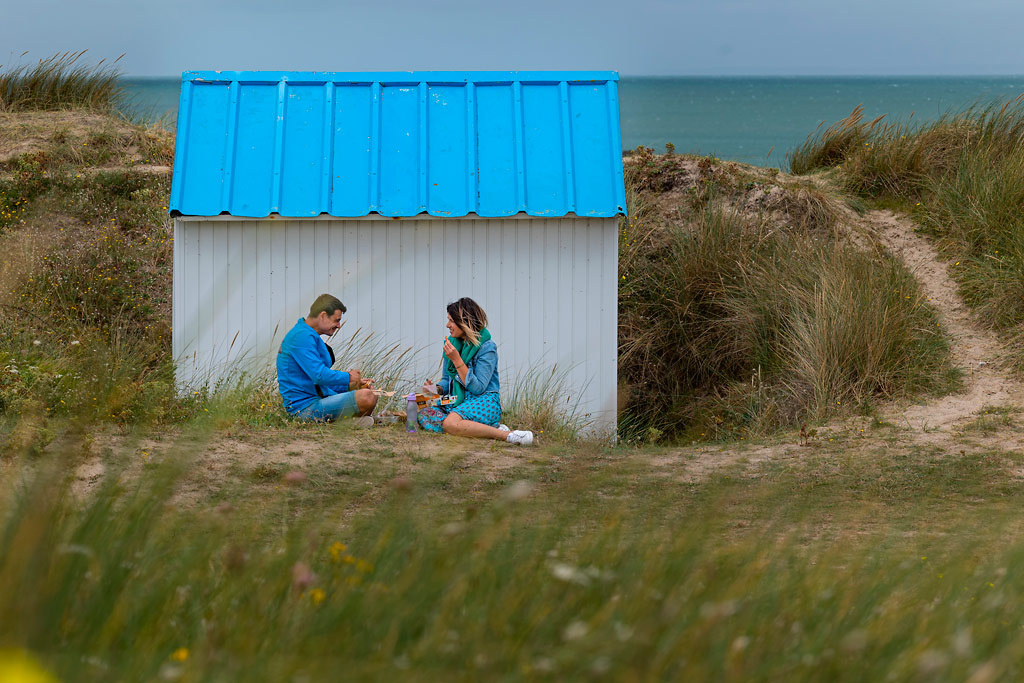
330 408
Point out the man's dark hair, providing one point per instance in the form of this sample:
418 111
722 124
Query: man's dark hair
326 303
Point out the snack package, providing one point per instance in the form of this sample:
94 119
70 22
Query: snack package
431 400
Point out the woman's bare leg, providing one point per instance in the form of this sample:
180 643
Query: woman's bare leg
454 424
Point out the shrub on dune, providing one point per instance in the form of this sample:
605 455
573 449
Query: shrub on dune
733 323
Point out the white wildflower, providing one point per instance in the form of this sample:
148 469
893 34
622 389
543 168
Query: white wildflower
740 644
568 573
718 610
517 491
931 662
575 631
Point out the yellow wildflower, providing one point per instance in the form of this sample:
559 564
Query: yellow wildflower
18 665
336 550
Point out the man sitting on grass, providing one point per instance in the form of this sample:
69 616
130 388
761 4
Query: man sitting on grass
311 390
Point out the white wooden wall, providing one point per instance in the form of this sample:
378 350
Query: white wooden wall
549 287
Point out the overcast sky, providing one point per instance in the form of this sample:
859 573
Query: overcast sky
634 37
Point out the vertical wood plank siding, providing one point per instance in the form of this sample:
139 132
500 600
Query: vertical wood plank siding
549 287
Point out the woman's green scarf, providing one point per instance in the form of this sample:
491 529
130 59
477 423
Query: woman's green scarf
466 351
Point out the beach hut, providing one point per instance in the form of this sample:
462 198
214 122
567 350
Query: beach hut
398 193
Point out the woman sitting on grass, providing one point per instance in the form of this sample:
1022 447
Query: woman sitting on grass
471 373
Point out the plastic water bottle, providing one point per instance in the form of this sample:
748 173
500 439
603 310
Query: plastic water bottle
410 413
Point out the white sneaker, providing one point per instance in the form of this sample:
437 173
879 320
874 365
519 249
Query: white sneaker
504 428
521 437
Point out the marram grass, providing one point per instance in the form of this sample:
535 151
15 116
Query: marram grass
529 583
62 81
735 325
962 178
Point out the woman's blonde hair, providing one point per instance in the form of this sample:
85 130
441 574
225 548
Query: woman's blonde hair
470 318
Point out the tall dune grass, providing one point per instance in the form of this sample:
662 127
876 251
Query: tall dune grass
832 145
63 81
732 324
962 177
542 399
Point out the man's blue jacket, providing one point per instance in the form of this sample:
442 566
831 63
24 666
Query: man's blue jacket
303 364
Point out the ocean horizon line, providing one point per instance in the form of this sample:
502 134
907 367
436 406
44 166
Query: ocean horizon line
653 76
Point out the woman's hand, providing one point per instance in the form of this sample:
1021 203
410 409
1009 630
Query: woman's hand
451 352
429 387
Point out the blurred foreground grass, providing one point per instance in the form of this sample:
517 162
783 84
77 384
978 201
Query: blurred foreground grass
571 563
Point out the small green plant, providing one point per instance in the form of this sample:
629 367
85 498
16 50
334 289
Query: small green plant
991 419
267 472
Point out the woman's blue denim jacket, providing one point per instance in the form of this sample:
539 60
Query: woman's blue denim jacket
482 376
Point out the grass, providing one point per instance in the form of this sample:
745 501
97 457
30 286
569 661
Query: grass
991 419
962 178
735 323
62 81
540 399
572 567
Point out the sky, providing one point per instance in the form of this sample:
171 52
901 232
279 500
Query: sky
633 37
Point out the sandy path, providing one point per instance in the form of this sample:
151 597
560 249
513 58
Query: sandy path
975 350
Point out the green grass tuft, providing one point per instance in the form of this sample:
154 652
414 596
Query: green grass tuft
61 82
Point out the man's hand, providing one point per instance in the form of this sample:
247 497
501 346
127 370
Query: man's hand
357 381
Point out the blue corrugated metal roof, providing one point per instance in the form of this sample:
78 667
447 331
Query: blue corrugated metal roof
494 143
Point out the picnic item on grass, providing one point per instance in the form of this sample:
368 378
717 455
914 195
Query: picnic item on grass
410 413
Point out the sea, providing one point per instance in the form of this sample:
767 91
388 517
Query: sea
756 120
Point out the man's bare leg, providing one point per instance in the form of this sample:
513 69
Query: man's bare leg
366 401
